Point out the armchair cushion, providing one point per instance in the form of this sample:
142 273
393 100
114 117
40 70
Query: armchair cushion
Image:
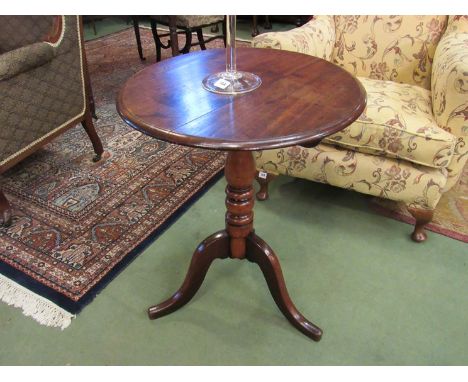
396 48
25 58
315 38
398 123
415 185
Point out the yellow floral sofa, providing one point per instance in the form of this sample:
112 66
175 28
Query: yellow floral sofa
410 143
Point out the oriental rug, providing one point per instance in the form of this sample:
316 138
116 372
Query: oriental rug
76 223
450 217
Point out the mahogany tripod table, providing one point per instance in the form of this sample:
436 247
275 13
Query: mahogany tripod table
302 100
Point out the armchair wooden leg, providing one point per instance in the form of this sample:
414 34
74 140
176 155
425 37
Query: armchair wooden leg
95 140
263 179
422 217
5 210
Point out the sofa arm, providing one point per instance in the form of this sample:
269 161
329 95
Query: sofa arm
449 85
25 58
316 38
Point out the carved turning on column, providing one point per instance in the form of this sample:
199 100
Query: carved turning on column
239 172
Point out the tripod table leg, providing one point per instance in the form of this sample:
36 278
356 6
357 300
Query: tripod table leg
214 247
260 253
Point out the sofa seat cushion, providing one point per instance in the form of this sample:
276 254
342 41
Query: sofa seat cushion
398 123
389 178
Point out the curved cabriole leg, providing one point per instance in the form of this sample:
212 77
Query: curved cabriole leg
95 140
423 217
214 247
260 253
263 178
5 210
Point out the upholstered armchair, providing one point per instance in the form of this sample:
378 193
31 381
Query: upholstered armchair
410 143
44 87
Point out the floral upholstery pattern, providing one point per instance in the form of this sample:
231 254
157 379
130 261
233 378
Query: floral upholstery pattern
417 186
450 91
397 48
410 144
315 38
398 122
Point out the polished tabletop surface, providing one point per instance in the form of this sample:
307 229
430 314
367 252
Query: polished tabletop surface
302 99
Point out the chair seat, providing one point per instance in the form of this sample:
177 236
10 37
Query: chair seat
398 123
190 21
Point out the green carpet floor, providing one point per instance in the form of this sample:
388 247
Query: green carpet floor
380 298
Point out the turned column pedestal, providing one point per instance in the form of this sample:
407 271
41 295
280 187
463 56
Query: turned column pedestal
238 241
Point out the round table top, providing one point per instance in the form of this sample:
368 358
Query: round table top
302 99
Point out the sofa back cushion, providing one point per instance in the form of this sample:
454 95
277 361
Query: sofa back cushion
396 48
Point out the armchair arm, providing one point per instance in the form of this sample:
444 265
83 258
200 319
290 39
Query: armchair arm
34 54
316 38
450 90
25 58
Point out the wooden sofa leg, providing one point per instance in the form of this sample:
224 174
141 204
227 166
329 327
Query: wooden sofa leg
95 140
263 179
422 217
5 210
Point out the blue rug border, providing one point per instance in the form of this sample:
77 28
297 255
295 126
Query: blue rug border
74 307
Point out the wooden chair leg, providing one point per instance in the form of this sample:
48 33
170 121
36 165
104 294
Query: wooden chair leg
5 210
136 28
188 42
173 36
263 179
201 39
255 31
423 217
157 41
95 140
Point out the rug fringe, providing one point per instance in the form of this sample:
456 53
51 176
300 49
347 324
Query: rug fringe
37 307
